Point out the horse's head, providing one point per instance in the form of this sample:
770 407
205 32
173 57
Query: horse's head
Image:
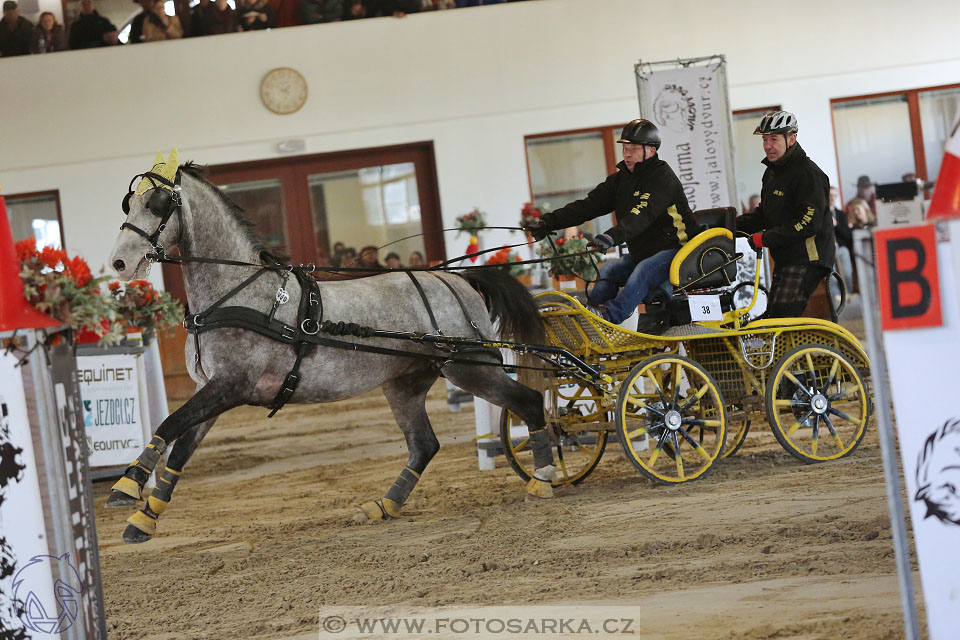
154 220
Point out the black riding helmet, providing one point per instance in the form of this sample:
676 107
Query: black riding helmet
640 131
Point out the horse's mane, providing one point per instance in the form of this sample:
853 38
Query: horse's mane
199 172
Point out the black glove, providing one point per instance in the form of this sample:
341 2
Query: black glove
602 242
538 229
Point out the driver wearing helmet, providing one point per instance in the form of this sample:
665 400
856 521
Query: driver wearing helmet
792 218
653 219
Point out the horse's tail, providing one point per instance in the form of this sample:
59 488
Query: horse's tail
509 303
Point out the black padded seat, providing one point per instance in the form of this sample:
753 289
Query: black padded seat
708 252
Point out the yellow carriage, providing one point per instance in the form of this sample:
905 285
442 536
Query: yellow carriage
679 401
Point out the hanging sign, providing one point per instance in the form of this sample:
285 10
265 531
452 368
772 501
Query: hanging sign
110 394
922 320
688 103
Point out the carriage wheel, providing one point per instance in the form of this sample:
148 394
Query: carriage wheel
670 419
736 435
815 390
576 423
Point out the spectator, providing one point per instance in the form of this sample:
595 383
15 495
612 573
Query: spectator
48 36
859 215
15 31
90 29
354 10
218 17
844 236
437 5
866 192
368 257
286 13
136 25
255 15
395 8
348 258
393 261
316 11
752 203
159 26
416 261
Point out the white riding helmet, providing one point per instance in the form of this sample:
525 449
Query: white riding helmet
777 122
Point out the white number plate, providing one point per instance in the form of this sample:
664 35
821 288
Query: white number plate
705 308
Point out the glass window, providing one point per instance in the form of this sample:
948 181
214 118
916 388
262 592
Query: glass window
262 203
938 113
747 154
35 217
386 196
873 139
565 168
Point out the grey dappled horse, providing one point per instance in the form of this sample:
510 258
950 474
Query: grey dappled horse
240 367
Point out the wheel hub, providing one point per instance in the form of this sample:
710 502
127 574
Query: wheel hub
673 419
819 404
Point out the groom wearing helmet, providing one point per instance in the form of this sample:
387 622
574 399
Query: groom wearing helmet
653 219
792 218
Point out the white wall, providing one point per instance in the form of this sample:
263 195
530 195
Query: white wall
474 81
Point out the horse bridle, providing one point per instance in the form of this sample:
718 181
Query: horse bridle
164 200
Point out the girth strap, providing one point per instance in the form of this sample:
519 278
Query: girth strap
426 303
309 317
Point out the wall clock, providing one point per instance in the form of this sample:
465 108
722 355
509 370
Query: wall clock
283 90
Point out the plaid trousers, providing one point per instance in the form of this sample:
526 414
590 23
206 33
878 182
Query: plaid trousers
792 286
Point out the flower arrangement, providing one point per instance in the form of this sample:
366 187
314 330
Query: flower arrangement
472 222
567 257
65 289
510 261
140 305
529 214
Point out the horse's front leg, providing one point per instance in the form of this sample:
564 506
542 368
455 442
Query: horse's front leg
208 403
407 396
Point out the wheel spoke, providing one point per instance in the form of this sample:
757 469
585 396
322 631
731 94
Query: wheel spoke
702 423
813 371
695 398
844 394
841 414
790 403
816 434
799 423
792 378
696 445
523 445
833 373
833 432
676 382
636 433
656 451
656 385
677 457
584 448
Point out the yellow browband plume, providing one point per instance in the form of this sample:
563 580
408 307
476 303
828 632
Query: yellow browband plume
166 168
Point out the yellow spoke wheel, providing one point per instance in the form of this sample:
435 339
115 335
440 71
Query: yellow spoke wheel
736 434
576 423
817 403
670 419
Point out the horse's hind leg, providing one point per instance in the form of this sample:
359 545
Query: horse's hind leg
496 387
208 403
407 397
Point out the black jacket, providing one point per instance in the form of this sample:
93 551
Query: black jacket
842 230
793 214
88 30
652 211
15 39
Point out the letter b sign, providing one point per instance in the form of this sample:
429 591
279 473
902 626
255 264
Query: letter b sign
907 277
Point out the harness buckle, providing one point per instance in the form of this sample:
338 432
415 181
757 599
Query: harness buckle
288 333
313 299
304 324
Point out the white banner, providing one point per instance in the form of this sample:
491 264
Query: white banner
924 369
689 105
110 391
23 539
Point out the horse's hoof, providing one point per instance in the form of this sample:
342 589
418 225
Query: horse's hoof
532 498
361 518
118 499
132 535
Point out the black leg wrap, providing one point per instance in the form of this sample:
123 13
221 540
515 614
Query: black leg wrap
400 490
166 481
150 457
542 451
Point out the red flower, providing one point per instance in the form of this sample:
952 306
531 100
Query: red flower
560 241
79 271
51 257
114 286
26 249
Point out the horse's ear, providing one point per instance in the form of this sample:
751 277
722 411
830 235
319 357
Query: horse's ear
173 161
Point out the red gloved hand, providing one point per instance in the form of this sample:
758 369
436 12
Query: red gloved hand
756 240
